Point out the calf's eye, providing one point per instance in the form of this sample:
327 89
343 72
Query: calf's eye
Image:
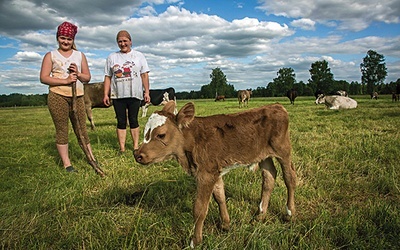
161 136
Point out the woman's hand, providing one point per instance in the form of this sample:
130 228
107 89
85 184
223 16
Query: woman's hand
106 100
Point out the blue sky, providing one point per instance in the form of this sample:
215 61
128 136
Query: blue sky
184 40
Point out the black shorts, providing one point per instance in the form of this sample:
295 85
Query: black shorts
121 106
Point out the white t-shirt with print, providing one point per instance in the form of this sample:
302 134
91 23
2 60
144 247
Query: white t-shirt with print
125 70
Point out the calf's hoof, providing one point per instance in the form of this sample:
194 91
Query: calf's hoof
225 226
194 243
260 217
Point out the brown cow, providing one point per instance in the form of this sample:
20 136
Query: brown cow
208 147
244 97
94 93
291 94
395 97
219 98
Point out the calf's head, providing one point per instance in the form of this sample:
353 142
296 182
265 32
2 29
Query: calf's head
163 138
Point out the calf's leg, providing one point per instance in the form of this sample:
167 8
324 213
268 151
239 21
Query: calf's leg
268 181
205 187
289 176
219 196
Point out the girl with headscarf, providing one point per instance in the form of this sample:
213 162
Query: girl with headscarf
60 69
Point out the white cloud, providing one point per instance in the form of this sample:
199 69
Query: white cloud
304 23
353 15
182 46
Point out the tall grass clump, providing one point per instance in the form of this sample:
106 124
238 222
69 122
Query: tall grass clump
347 194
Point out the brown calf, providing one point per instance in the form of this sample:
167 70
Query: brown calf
244 97
208 147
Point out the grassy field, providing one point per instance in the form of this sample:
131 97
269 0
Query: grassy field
347 196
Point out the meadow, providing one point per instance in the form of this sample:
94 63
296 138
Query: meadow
347 196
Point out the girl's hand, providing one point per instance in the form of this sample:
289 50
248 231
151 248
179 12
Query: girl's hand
73 68
72 77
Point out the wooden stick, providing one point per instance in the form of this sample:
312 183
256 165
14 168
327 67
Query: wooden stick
75 120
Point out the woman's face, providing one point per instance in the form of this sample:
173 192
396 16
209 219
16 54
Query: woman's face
65 42
124 44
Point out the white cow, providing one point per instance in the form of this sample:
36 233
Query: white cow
336 102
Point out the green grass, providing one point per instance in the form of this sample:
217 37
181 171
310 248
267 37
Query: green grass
347 196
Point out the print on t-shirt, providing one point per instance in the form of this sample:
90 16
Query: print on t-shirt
126 70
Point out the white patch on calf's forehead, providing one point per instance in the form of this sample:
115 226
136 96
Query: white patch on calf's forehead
155 120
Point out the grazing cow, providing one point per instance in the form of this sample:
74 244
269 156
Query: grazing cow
374 95
291 94
219 98
94 93
244 97
208 147
158 97
395 97
336 102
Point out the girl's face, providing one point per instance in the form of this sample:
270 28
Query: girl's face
65 42
124 44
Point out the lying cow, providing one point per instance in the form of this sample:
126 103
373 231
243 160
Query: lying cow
244 97
158 97
291 94
209 147
336 102
94 93
374 95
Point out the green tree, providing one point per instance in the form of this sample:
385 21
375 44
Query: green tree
285 81
373 70
218 85
321 77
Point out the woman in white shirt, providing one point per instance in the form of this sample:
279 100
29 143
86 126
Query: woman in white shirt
126 82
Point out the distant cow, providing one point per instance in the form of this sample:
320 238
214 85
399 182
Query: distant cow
342 93
291 94
94 93
158 97
336 102
395 97
398 91
219 98
318 93
374 95
208 147
244 97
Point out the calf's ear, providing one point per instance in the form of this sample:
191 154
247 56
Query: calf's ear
186 115
169 107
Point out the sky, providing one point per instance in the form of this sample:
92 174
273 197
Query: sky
183 41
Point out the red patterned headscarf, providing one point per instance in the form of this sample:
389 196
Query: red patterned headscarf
67 29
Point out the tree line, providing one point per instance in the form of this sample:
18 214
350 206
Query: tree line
373 74
373 70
